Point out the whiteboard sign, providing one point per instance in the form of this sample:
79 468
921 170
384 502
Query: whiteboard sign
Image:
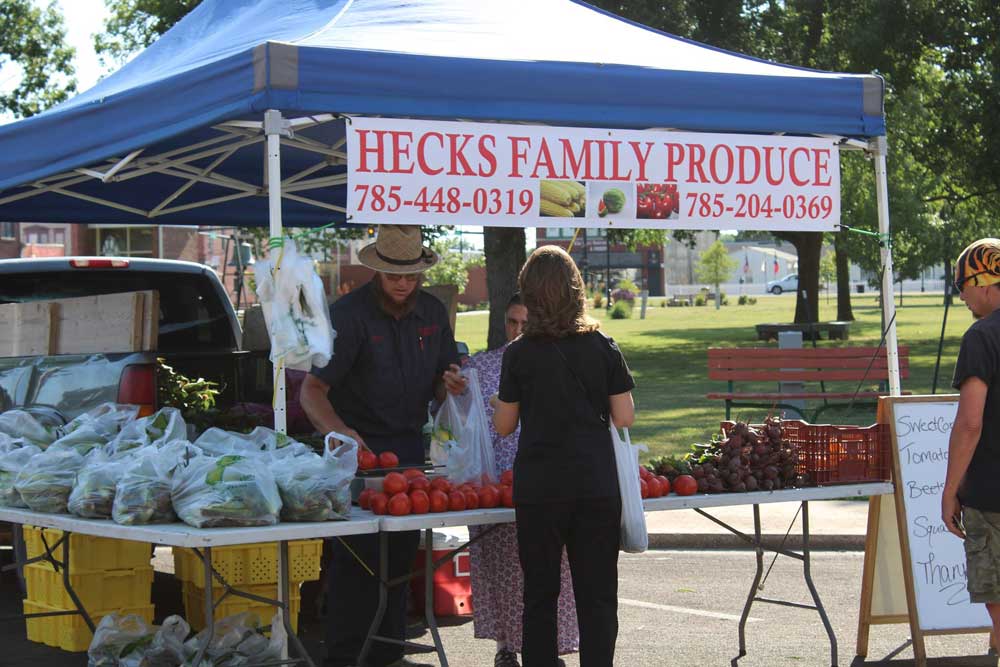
920 428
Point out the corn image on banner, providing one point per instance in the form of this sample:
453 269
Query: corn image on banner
446 173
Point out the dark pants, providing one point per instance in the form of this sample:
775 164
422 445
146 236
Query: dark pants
590 530
352 592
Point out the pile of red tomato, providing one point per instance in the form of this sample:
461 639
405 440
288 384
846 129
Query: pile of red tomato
411 492
368 460
657 201
656 486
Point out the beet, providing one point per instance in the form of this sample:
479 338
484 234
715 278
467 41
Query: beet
740 488
703 485
770 473
767 485
751 483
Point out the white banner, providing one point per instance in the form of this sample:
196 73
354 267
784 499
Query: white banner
449 173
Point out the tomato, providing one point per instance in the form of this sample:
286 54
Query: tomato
388 460
394 483
441 484
456 501
507 496
489 496
471 500
653 485
465 487
685 485
413 473
664 485
644 472
365 499
380 503
439 501
644 488
507 478
420 483
420 502
367 460
399 505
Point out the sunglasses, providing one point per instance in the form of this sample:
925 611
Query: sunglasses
408 277
960 283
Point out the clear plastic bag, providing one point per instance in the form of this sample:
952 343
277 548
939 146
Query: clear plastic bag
461 435
96 428
118 638
634 538
143 492
218 442
318 488
295 310
166 648
231 490
166 425
11 464
228 634
94 490
47 479
22 425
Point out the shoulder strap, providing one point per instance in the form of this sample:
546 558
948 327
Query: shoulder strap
600 413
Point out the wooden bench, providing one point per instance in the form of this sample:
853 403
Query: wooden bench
864 365
809 330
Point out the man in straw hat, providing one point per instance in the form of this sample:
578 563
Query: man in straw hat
395 351
970 503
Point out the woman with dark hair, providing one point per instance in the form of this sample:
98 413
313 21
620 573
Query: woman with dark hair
565 382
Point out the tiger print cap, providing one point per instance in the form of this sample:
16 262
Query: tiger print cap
979 264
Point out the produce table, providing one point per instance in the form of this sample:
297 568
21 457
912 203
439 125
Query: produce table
698 503
201 540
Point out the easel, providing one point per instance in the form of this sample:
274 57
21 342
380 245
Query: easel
888 593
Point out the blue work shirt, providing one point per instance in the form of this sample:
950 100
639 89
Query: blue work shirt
383 370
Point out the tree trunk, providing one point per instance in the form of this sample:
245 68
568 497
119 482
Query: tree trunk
844 310
808 245
504 250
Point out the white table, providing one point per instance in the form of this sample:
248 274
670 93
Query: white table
697 502
201 540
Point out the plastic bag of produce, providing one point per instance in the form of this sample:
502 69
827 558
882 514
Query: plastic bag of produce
232 638
231 490
218 442
47 479
166 649
314 487
143 492
462 437
634 539
295 310
96 428
166 425
94 490
23 425
118 638
11 463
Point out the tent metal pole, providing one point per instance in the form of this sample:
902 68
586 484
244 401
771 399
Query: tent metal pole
274 127
878 148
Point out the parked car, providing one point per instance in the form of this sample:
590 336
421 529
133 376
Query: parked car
789 283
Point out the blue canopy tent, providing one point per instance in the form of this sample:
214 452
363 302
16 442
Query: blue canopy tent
244 94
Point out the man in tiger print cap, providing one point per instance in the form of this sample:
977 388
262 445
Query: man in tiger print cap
970 504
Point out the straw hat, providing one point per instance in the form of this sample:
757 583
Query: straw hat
398 249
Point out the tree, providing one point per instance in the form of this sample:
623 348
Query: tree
504 248
453 269
715 267
33 40
828 270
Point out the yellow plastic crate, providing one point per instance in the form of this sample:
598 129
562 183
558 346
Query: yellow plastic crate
194 604
251 564
100 589
90 553
70 633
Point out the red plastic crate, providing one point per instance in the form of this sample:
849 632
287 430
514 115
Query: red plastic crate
452 584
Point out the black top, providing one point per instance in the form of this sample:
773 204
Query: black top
382 372
979 356
564 451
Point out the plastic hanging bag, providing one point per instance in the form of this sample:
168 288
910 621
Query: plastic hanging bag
462 436
295 309
166 425
634 538
143 492
46 480
117 638
314 487
93 492
23 425
11 464
231 490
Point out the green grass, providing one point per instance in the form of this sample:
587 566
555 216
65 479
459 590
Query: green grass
667 355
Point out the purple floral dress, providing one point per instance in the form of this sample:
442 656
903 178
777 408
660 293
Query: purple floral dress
497 581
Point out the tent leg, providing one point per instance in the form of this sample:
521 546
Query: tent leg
274 127
878 148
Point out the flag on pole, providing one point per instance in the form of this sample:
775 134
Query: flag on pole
746 263
775 266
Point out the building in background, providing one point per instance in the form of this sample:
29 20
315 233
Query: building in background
10 244
590 251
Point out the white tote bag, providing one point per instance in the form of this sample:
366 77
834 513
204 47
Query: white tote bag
634 539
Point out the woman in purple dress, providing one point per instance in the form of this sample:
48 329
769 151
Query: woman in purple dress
497 581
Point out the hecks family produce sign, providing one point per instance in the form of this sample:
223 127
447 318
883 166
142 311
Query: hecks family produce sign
445 173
